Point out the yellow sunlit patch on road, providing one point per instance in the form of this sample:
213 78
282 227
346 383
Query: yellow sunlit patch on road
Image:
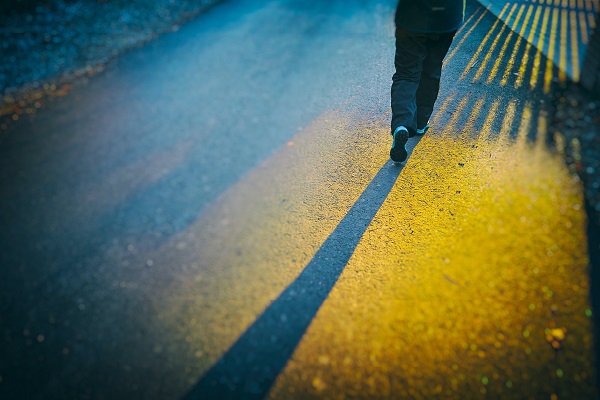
582 26
537 60
500 57
478 252
490 50
552 37
443 107
482 46
562 37
525 61
473 114
511 61
260 234
507 121
472 259
574 46
551 48
489 121
524 125
459 110
591 21
562 45
466 35
542 137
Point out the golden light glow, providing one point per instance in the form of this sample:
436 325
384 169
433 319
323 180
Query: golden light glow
259 235
477 253
442 108
542 132
525 125
459 110
574 47
525 63
473 116
466 35
551 48
565 27
482 46
461 308
562 63
583 27
591 21
490 49
468 21
489 121
535 73
507 123
511 61
500 57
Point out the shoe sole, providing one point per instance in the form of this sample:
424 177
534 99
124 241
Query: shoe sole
398 152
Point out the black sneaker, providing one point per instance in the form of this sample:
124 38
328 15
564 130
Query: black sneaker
419 131
422 131
398 152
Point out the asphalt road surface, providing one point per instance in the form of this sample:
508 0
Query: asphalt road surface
215 216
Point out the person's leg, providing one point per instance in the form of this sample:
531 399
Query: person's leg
429 86
410 51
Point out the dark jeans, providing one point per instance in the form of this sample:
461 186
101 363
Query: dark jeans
416 82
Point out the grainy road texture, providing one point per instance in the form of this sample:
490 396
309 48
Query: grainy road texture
215 215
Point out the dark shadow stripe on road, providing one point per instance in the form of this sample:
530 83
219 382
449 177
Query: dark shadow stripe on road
250 367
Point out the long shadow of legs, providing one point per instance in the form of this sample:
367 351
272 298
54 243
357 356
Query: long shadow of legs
250 367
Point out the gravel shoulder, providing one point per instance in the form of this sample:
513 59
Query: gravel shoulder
576 122
60 43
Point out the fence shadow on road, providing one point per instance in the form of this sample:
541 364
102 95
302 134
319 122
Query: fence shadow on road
505 85
503 92
509 89
249 368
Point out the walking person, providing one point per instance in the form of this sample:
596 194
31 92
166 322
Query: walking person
424 32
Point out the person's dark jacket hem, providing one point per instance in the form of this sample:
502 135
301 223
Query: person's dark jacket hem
430 16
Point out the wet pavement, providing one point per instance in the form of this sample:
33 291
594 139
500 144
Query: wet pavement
215 216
